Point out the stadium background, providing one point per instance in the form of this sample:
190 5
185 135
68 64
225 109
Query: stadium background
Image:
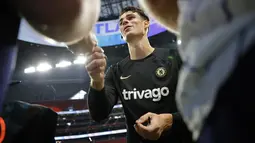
51 75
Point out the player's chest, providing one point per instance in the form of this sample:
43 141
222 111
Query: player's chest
144 75
145 81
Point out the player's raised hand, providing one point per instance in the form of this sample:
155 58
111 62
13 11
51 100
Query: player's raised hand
96 64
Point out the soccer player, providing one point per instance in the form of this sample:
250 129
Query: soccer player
145 82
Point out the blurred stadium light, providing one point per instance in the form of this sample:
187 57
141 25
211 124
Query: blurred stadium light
63 64
29 70
80 60
179 42
43 67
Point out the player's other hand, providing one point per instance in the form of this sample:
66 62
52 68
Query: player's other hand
156 125
95 64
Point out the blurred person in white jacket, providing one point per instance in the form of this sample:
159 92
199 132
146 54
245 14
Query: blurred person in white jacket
215 88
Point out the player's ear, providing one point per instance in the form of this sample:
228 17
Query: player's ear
146 24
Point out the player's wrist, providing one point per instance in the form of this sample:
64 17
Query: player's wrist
168 121
97 84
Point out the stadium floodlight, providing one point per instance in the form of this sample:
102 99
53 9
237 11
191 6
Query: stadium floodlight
63 64
43 67
179 42
80 60
117 117
29 70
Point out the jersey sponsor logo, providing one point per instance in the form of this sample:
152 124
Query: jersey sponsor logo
124 77
154 94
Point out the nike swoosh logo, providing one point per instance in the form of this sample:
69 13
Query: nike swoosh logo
126 77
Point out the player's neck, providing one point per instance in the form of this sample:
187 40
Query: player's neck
140 49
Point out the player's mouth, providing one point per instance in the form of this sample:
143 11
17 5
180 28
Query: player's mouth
127 28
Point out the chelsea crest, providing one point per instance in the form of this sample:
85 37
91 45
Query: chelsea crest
161 72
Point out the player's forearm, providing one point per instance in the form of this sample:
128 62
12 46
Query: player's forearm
176 117
180 126
99 104
178 122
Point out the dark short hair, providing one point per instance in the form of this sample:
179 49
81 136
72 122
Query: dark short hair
137 10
